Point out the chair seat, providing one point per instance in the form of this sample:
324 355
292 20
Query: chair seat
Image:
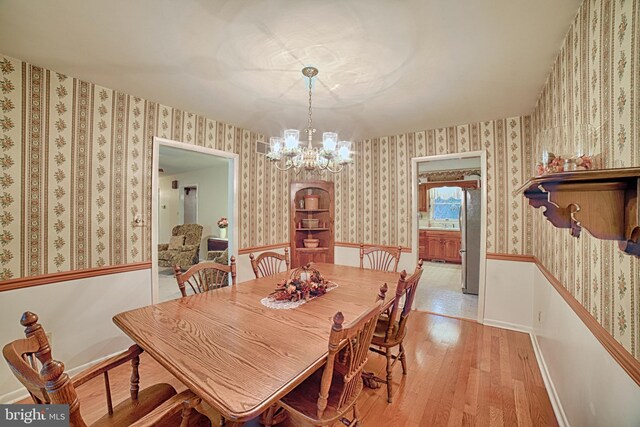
304 398
127 412
381 331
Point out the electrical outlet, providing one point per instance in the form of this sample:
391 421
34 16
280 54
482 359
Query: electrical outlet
49 337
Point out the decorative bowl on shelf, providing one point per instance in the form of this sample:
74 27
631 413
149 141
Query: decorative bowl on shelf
310 223
311 243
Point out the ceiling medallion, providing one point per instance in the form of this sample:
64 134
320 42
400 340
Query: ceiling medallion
287 153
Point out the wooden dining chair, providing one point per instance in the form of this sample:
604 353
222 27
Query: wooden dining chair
269 263
205 276
380 258
390 332
31 362
328 394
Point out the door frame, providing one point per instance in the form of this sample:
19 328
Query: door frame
234 165
482 154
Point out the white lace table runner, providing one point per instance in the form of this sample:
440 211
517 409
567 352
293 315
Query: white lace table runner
271 302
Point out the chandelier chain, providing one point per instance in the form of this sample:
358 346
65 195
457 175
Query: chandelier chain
310 125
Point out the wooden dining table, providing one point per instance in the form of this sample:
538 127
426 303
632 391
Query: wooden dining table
239 356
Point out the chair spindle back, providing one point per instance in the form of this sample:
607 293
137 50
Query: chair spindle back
269 263
353 343
407 288
381 259
50 385
205 276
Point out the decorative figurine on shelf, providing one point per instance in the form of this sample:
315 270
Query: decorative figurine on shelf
553 164
223 223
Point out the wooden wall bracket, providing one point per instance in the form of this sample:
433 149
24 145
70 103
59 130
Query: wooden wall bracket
603 202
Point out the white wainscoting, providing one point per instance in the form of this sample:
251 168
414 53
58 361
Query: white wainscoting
509 293
590 385
78 315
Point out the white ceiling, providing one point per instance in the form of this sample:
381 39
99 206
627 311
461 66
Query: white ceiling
386 66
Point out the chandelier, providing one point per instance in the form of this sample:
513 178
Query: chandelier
287 153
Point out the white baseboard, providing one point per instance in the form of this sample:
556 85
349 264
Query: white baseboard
21 393
507 325
548 383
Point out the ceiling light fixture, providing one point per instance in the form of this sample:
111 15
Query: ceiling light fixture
287 153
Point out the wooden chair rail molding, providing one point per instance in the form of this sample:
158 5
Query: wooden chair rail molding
45 279
357 246
605 202
511 257
262 248
625 359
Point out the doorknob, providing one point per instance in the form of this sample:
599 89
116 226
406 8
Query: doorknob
461 251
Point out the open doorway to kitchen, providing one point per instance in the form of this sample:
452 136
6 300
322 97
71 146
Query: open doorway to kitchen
450 233
194 188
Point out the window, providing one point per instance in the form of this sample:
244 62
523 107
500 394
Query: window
445 203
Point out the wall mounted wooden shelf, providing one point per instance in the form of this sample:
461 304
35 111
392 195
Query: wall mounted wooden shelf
603 202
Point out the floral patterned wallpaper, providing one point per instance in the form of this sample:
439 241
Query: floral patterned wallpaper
373 198
596 81
76 170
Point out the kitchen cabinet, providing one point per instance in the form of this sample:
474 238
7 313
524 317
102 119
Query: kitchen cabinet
423 198
440 245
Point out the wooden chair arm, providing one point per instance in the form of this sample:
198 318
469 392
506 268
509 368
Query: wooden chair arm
106 365
181 402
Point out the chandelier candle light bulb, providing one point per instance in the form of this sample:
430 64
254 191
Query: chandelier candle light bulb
332 157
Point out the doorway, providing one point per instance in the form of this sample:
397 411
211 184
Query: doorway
449 233
190 204
191 185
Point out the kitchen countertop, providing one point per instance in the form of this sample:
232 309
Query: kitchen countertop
438 229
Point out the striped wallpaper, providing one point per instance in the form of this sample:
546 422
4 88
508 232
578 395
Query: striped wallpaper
374 196
596 81
76 170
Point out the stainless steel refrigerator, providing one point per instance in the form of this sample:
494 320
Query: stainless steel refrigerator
470 244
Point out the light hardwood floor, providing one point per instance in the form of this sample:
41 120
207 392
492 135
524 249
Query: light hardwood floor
460 373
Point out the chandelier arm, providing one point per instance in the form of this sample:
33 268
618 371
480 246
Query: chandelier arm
340 168
286 168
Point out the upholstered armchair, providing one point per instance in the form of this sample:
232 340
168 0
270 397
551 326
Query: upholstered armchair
184 247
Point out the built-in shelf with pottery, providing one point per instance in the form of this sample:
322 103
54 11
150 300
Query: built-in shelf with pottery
312 237
604 202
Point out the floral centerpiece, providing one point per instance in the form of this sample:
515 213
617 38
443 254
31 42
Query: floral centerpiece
304 283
